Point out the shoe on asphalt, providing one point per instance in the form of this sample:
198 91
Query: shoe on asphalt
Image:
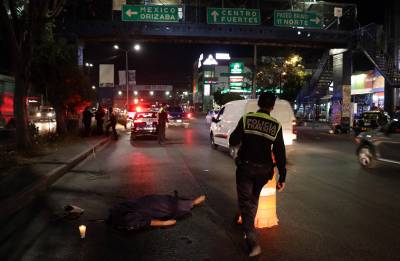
255 251
252 243
72 212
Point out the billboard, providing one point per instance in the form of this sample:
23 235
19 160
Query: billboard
131 77
106 75
369 82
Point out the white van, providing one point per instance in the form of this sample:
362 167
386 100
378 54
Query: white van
230 114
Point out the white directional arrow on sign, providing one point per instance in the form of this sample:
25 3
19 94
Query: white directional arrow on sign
316 20
214 15
129 13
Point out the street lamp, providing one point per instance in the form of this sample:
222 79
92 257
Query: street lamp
89 66
167 93
135 93
151 93
93 87
119 93
136 48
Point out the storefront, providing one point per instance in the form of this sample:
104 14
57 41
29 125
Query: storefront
367 91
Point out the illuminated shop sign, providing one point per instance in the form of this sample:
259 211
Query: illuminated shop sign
236 68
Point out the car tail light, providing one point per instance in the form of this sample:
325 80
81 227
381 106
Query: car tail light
138 109
189 115
294 127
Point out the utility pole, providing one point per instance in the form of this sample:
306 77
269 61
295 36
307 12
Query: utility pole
126 79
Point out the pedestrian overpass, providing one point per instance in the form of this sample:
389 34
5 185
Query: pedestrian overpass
332 27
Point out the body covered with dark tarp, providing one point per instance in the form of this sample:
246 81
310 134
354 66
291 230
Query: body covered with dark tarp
138 213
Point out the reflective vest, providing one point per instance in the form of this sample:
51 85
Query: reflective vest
261 124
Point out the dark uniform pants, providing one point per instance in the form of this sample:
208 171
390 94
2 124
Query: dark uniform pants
161 132
249 182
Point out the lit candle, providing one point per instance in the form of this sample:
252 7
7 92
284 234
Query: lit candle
82 230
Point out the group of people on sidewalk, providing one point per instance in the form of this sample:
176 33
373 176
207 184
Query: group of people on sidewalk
100 115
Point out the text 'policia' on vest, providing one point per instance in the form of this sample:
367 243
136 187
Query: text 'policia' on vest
261 124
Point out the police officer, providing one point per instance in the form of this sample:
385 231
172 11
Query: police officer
162 121
258 133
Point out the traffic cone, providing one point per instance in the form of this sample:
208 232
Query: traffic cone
266 213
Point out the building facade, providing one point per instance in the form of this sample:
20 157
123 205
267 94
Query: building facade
219 72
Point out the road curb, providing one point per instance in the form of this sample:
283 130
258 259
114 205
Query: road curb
13 204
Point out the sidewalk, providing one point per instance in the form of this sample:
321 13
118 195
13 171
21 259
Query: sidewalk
21 184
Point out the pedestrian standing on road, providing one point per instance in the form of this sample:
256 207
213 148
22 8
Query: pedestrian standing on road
87 121
99 116
111 123
257 134
162 121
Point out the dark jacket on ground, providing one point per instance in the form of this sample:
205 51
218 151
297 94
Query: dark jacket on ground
257 149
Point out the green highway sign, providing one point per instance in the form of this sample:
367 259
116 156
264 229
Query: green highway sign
233 16
287 18
150 13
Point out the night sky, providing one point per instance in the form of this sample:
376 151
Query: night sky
368 11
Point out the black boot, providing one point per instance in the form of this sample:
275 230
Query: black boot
254 247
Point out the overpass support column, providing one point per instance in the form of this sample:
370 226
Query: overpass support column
341 99
390 98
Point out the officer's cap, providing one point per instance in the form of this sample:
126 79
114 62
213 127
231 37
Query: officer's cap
266 100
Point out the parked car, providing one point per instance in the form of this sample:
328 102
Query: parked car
223 125
211 114
45 114
178 117
144 124
380 145
370 120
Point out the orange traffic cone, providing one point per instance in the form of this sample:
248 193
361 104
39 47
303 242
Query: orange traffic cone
266 213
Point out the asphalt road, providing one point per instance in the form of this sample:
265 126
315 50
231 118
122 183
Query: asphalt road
331 208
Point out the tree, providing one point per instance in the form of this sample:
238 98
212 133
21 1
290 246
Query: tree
22 23
282 75
55 71
222 98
